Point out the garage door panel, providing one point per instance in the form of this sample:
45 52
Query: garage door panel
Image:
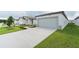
48 22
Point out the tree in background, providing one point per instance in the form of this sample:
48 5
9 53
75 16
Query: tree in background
10 21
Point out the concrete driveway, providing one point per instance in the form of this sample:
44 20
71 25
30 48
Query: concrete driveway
25 38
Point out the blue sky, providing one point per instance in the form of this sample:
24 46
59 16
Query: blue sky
72 14
16 14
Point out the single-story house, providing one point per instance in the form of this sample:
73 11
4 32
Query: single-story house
54 20
76 21
24 20
20 21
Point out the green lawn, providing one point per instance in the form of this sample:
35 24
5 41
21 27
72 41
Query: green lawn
5 30
66 38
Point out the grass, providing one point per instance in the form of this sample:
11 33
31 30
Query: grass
5 30
66 38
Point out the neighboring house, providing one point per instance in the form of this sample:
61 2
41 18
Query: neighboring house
24 20
76 20
16 22
30 20
55 20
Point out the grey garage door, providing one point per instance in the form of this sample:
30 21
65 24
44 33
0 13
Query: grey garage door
50 22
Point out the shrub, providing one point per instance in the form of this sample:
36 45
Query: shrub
22 27
32 26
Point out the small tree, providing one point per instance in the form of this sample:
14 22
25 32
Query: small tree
10 21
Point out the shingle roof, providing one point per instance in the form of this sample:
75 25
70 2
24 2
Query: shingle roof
60 12
76 18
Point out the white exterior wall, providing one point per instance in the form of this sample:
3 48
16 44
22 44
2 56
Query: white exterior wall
29 22
62 21
35 22
38 18
49 22
76 22
21 21
16 23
